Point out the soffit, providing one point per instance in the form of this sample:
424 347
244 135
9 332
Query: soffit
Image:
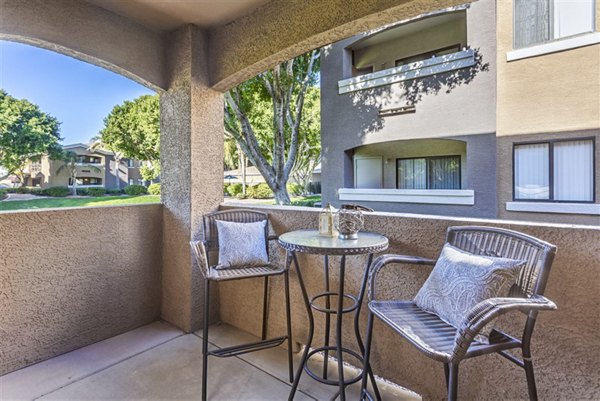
168 15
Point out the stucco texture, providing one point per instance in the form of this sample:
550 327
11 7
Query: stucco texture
549 93
192 144
565 346
69 278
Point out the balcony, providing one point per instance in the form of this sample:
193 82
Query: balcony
105 303
55 302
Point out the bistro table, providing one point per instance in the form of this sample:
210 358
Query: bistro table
310 242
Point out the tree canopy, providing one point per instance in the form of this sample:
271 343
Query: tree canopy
133 128
26 134
270 115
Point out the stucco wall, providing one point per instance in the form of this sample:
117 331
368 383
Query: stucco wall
565 343
505 177
445 107
548 93
72 277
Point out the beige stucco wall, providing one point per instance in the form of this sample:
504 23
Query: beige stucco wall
565 344
549 93
72 277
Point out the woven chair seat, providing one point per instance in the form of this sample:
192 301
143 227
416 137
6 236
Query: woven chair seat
427 331
244 272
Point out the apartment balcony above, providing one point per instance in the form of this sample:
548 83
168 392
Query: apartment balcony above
394 55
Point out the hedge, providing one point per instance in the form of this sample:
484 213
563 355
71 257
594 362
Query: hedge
135 190
154 189
57 192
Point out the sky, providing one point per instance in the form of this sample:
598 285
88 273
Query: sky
78 94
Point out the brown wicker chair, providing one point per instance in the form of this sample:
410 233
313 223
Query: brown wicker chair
204 252
450 345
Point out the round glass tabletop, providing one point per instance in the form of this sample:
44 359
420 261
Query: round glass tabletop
310 241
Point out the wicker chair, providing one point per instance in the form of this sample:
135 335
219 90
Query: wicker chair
204 252
450 345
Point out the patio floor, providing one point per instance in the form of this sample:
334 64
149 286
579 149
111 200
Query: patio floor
160 362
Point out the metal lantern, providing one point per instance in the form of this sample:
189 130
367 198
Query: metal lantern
349 220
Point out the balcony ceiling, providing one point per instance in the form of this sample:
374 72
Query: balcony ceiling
167 15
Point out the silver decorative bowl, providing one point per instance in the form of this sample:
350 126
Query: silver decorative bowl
349 221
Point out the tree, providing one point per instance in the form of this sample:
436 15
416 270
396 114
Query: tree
26 135
70 164
133 129
265 114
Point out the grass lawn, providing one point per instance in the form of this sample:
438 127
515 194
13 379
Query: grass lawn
46 203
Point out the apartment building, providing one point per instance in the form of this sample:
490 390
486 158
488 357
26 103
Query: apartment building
96 168
484 110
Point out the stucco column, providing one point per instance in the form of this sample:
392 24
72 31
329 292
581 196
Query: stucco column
191 170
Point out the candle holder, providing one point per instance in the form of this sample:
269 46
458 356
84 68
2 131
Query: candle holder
349 220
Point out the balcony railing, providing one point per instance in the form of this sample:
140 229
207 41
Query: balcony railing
419 69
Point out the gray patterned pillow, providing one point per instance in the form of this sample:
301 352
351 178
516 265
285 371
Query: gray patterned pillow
461 280
242 244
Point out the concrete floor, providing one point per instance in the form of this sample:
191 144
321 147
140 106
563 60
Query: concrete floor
159 362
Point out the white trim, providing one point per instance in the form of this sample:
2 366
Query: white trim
552 207
419 69
555 46
429 196
87 186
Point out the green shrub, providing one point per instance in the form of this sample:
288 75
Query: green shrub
225 187
295 189
135 190
234 189
83 191
35 191
3 193
57 192
114 191
241 196
154 189
260 191
96 191
304 202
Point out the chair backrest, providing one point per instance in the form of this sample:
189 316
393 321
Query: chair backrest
490 241
209 227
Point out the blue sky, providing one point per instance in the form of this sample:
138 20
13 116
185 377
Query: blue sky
78 94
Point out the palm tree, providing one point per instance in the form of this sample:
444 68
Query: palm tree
117 155
70 163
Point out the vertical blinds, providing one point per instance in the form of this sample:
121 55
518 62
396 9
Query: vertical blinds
429 173
571 171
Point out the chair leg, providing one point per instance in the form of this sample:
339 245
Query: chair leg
366 364
265 307
528 365
447 374
453 382
289 325
205 338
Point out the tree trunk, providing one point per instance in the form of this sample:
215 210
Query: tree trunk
117 174
244 162
281 196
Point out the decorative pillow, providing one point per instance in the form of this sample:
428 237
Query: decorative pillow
242 244
460 280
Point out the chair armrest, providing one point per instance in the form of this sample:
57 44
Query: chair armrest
272 237
199 251
387 259
488 310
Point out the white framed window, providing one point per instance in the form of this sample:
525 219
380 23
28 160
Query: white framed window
541 21
368 172
554 171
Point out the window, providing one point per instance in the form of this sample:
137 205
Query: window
440 172
87 181
129 162
554 171
428 55
89 159
540 21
